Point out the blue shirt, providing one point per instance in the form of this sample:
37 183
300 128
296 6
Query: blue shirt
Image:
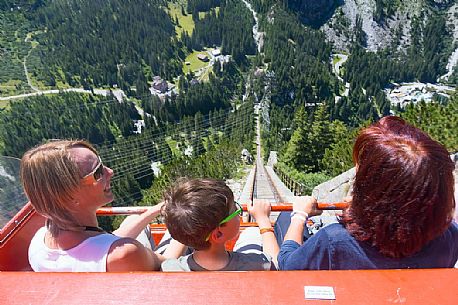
333 248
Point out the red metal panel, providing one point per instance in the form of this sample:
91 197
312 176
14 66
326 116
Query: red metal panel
15 238
434 286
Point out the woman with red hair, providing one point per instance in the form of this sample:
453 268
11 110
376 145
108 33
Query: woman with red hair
401 214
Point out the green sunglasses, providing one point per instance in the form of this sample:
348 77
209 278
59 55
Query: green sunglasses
238 211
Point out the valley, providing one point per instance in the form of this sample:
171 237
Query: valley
190 73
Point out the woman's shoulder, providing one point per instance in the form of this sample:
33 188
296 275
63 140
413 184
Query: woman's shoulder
39 235
450 235
335 231
127 254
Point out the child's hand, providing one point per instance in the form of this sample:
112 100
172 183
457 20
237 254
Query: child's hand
259 209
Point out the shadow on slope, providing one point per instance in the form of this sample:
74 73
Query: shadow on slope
314 13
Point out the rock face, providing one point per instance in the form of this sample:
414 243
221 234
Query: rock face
336 189
339 28
441 2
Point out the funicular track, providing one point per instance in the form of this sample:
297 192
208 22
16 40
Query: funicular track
263 186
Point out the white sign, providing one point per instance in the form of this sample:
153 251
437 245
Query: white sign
319 293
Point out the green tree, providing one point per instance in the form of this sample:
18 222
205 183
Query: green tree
295 154
440 121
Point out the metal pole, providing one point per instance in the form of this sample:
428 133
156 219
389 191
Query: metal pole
107 211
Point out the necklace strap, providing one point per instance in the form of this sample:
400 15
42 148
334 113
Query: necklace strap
96 229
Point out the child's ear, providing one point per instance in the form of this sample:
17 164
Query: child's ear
217 236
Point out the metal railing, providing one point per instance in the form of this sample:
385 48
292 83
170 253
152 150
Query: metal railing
294 186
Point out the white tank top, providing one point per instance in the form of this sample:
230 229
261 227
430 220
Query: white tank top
88 256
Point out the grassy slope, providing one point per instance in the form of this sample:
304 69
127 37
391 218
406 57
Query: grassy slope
185 23
195 63
12 51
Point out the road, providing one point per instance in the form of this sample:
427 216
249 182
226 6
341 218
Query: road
342 58
28 38
118 93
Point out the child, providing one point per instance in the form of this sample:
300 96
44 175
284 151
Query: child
202 214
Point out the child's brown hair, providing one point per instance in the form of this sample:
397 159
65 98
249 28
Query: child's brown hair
194 208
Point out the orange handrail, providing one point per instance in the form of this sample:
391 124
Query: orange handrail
107 211
332 205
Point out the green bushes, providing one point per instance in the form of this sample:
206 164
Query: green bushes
299 182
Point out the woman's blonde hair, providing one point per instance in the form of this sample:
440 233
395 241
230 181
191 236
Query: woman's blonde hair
50 178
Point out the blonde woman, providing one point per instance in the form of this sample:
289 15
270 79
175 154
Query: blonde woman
66 182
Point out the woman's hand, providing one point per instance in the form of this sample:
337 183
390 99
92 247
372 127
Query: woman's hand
305 204
348 200
134 224
153 212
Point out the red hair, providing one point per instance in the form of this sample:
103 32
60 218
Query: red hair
403 190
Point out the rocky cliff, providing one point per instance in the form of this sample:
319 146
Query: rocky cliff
384 24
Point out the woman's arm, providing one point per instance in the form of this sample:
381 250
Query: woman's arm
134 224
314 254
303 207
292 256
260 210
296 229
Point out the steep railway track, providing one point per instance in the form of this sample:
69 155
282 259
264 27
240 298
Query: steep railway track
263 186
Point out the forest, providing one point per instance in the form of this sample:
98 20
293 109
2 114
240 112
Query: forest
230 29
200 126
101 43
313 131
196 134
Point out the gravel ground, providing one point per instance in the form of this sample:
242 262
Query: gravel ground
237 185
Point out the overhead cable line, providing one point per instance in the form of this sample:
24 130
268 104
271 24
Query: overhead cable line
148 141
134 171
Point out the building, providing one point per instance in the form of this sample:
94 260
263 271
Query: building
202 57
160 85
